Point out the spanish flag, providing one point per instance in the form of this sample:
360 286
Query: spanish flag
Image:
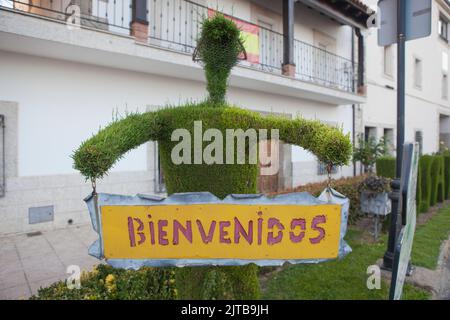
250 35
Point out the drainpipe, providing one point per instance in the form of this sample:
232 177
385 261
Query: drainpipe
362 89
353 105
288 67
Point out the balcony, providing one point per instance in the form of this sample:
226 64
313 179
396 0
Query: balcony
176 25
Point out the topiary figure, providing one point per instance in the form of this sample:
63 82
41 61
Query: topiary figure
219 48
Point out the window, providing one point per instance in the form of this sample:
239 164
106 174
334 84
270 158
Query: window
389 139
322 169
443 28
267 45
388 61
444 86
2 156
418 73
370 132
418 137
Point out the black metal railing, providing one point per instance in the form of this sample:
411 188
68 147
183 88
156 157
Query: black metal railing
176 25
319 66
112 16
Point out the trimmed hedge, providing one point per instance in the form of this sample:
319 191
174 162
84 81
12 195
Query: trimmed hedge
433 180
386 167
437 180
447 176
425 182
441 179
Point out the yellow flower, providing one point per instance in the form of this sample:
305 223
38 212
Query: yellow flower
110 282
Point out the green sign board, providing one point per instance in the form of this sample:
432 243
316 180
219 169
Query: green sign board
404 245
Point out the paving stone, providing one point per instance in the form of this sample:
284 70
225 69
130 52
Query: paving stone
44 267
20 292
12 279
8 267
32 246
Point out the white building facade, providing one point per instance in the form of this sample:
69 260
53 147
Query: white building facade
427 114
60 82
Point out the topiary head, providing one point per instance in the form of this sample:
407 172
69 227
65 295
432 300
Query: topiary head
219 47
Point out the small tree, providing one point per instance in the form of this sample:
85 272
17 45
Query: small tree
368 151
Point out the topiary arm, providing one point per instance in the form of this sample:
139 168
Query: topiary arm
329 144
97 155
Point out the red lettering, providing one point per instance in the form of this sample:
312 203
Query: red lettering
131 231
297 223
318 220
187 231
272 223
162 234
206 238
223 233
239 230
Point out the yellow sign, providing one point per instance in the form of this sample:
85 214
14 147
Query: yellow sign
221 231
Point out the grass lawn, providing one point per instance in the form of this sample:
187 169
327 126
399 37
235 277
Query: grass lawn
339 279
428 239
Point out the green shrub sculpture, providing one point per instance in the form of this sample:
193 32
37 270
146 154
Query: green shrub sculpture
219 47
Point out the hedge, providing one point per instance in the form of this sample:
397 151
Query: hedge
437 180
447 176
425 182
433 180
441 179
386 167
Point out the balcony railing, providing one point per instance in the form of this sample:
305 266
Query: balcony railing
109 15
176 25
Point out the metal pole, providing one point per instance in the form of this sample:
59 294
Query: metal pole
288 32
396 215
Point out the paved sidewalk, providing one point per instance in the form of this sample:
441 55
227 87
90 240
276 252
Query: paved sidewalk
27 263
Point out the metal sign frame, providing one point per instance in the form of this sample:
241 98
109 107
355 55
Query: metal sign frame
96 201
418 19
405 240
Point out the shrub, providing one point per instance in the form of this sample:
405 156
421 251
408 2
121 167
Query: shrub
375 184
440 179
447 176
425 182
346 186
107 283
369 151
386 167
437 180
